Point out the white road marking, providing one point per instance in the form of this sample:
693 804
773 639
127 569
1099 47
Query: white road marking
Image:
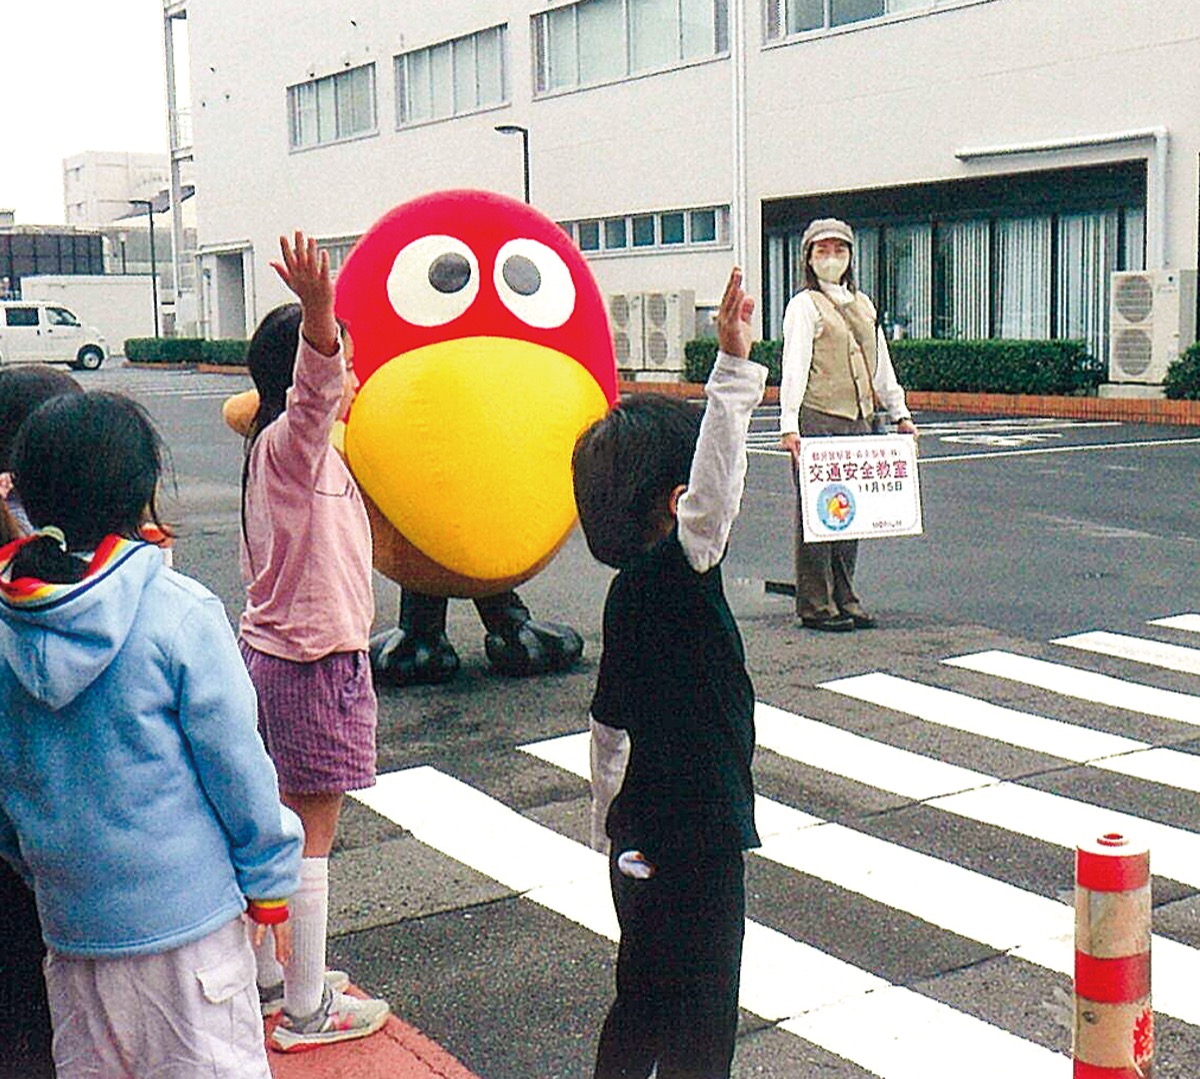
957 711
1189 622
1084 685
944 894
1173 657
821 998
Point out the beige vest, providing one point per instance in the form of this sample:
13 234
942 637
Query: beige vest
841 379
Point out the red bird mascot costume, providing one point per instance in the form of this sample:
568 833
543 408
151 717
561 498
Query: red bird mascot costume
483 349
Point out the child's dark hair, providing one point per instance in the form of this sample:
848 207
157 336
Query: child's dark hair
625 467
271 359
22 389
89 465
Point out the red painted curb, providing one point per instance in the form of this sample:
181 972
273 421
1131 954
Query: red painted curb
1091 1071
397 1051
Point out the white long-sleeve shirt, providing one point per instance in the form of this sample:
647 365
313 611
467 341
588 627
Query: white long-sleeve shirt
802 324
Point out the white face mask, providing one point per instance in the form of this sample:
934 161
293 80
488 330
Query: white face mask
831 268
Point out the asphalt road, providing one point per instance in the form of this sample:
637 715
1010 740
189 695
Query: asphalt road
913 922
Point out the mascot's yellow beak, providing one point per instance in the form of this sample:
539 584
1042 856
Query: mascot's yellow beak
465 446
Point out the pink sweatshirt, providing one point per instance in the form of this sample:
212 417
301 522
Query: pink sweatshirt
307 566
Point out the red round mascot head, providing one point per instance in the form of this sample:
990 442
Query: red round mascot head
483 349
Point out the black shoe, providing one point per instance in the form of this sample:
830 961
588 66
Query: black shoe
862 621
836 623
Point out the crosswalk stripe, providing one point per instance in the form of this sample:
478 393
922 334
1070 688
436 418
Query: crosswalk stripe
1190 622
1051 818
957 711
946 895
1173 657
822 999
1084 685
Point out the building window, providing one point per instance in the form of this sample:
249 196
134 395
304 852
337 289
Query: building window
1022 278
339 249
333 108
597 41
786 17
706 227
452 78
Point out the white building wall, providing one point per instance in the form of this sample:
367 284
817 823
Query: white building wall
882 105
872 105
97 185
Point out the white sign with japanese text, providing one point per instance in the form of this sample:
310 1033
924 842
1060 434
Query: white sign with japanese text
859 487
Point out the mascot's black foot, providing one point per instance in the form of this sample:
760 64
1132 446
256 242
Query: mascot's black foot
517 645
417 651
401 658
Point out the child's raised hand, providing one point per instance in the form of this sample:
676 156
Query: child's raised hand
305 270
734 332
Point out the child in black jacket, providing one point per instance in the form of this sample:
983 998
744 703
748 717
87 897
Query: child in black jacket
657 493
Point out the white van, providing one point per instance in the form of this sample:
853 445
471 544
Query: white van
34 331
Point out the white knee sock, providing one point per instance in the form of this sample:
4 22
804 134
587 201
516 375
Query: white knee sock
304 976
270 972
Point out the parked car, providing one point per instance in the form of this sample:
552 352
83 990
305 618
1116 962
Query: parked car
37 331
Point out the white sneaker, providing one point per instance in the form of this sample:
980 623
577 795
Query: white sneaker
340 1018
270 997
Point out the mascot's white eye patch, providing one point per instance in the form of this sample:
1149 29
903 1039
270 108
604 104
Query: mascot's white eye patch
534 283
433 280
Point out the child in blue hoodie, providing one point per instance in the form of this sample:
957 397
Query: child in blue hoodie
135 794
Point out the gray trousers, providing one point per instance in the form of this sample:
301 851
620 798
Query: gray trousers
825 571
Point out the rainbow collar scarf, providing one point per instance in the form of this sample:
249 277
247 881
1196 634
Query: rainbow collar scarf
28 593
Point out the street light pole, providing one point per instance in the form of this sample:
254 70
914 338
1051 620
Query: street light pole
517 129
149 204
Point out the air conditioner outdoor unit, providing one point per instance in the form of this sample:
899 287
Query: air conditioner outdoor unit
1152 319
626 320
670 323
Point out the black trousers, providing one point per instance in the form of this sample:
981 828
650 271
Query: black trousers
678 971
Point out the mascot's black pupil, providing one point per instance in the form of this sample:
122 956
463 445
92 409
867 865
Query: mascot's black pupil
449 272
521 275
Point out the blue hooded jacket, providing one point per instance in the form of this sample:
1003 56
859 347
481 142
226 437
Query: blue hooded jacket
135 793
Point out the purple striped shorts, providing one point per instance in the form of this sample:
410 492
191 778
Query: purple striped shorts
316 719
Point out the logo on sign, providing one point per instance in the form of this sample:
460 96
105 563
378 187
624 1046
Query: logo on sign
835 507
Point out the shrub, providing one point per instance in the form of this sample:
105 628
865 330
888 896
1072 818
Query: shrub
700 355
992 366
996 366
163 349
1182 381
224 353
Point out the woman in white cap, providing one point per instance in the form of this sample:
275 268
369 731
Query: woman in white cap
837 374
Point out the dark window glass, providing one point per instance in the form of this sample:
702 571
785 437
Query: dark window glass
672 228
589 235
643 231
21 316
616 233
704 226
844 11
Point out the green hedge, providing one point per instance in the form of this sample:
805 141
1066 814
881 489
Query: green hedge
700 355
1182 381
224 353
163 349
994 366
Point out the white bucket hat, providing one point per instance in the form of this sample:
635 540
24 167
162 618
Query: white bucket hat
825 228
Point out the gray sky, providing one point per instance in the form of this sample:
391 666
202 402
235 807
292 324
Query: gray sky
78 75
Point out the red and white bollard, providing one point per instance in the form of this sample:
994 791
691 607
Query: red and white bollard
1114 1024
